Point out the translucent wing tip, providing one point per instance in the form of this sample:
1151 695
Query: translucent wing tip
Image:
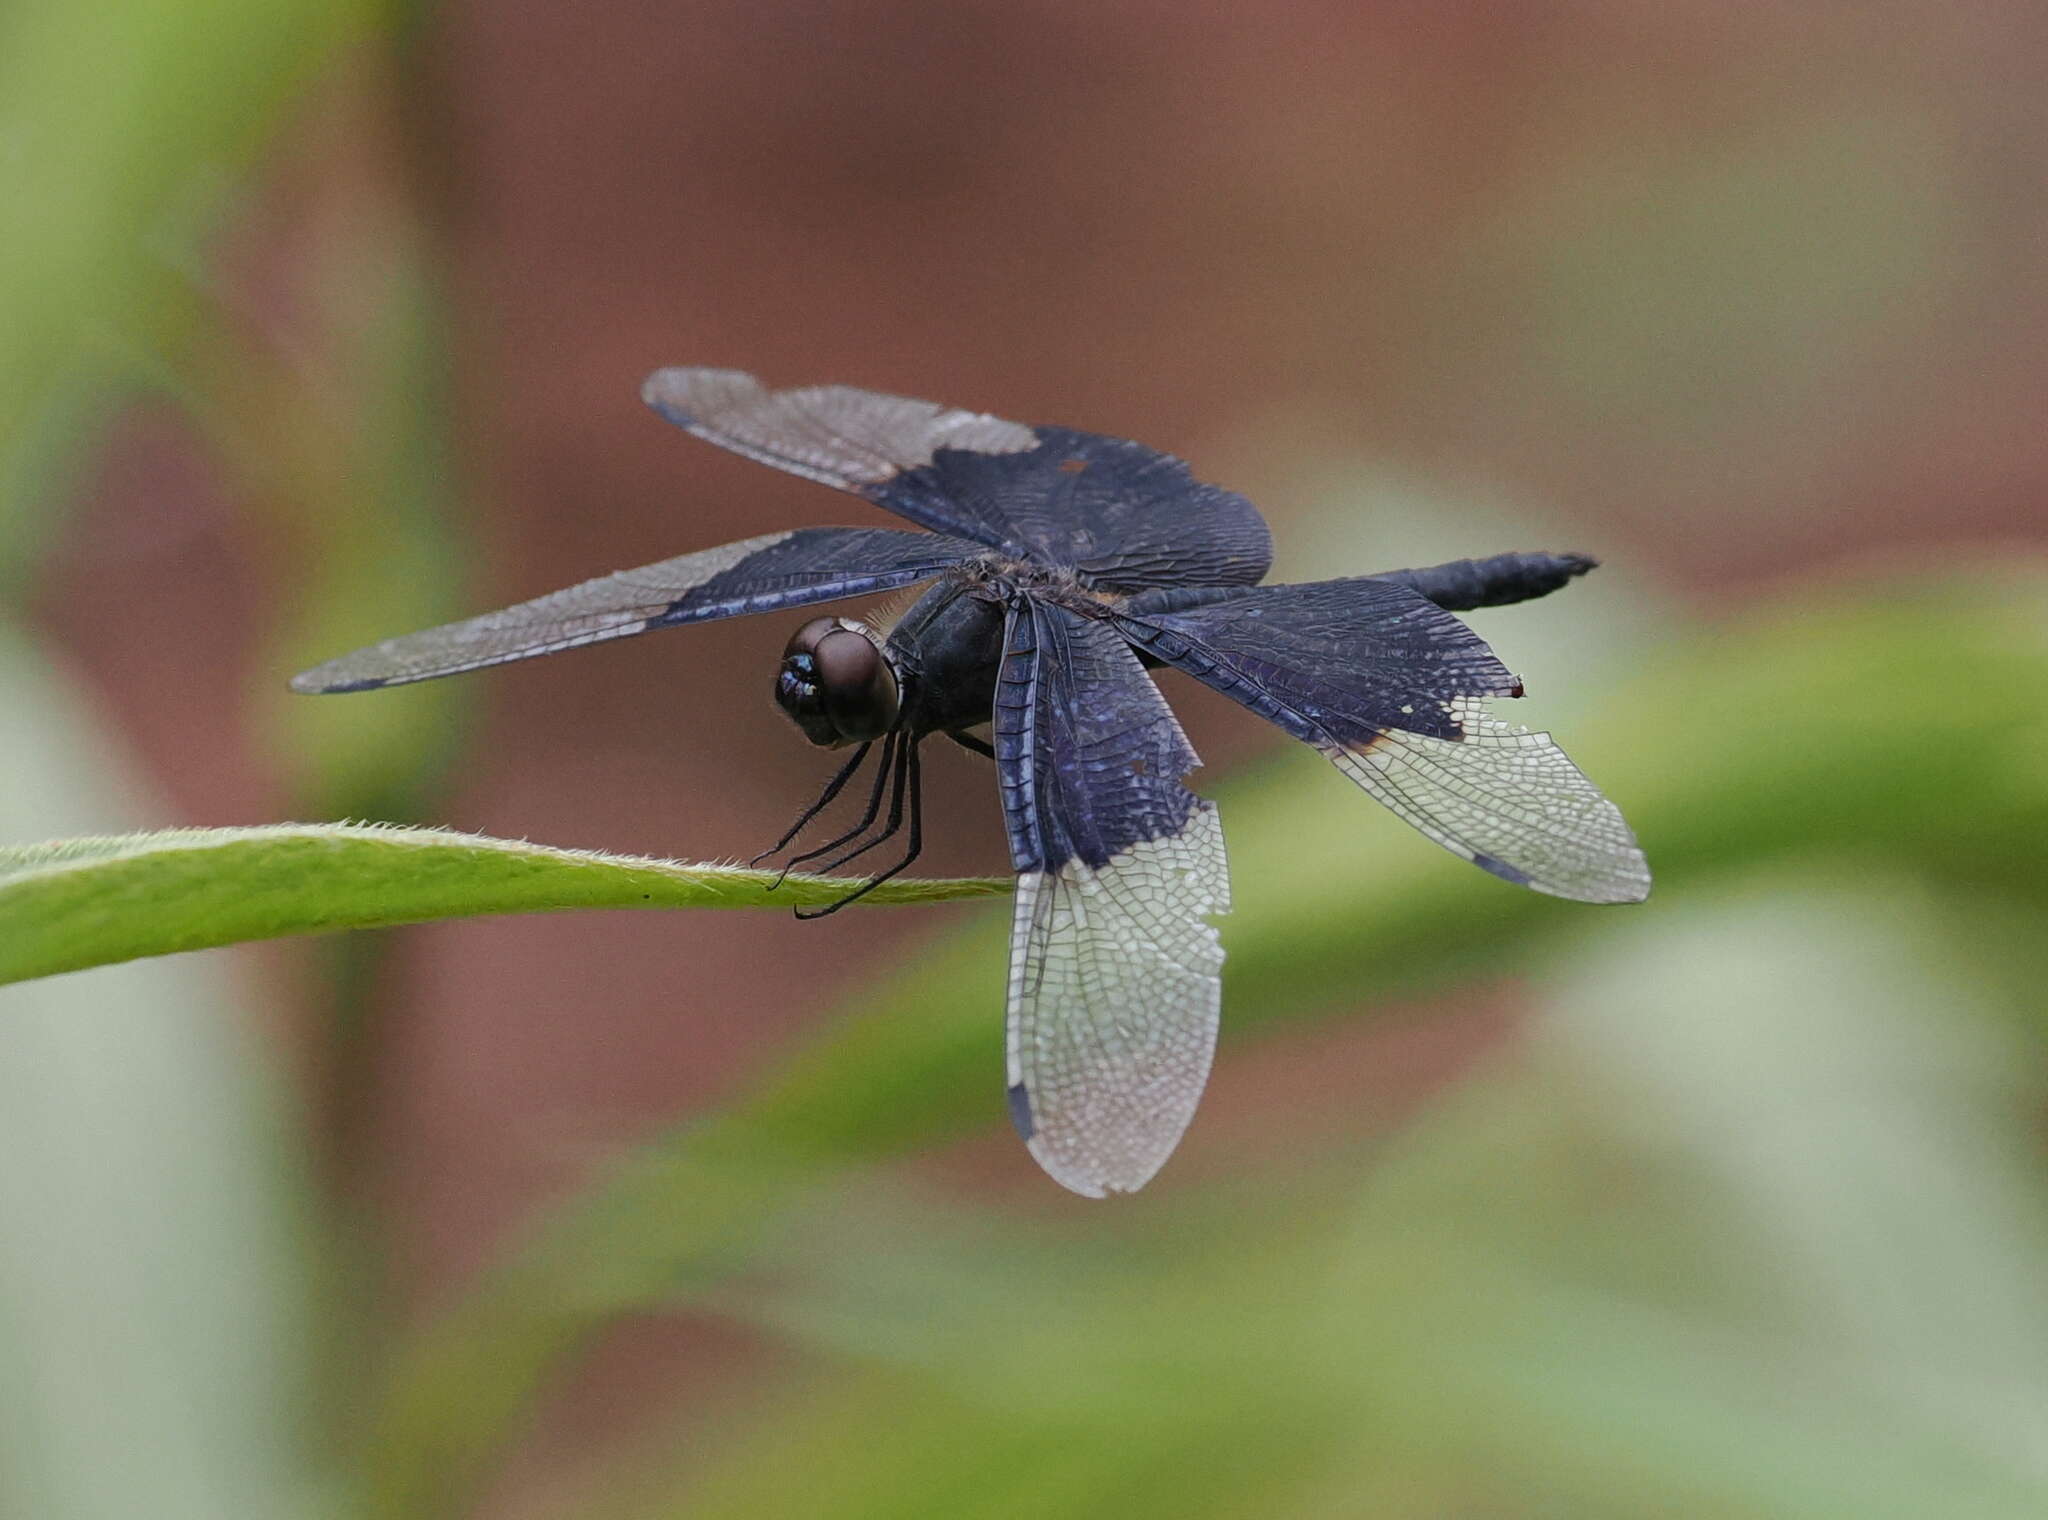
1089 1184
839 435
1625 879
338 675
1083 1171
1115 996
678 393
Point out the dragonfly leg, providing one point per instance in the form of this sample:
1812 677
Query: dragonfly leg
912 775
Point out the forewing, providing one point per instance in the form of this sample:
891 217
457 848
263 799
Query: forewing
1392 689
775 571
1124 515
1114 988
860 441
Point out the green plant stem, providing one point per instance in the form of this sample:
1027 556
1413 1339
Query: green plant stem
91 902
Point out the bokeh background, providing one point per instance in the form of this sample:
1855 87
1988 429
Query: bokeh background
323 320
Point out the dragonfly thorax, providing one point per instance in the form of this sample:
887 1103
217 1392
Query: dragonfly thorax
947 649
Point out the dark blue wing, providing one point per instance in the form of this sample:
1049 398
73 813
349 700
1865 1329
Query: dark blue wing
1114 990
1392 688
1500 581
777 570
1124 515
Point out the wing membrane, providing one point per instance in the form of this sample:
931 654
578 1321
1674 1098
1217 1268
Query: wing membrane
859 441
1114 990
1508 800
777 570
1390 687
1124 515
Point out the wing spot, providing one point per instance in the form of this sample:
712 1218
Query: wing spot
1501 869
1073 466
1020 1111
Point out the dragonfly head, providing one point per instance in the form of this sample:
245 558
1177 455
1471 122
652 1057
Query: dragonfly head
837 683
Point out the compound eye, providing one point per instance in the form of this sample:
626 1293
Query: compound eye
797 691
859 687
805 639
836 684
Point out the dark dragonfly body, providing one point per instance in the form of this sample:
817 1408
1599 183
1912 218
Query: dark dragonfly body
1063 565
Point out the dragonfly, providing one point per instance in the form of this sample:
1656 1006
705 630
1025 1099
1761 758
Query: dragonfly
1062 567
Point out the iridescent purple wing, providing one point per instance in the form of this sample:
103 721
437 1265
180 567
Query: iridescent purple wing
1114 987
1393 689
1121 514
765 574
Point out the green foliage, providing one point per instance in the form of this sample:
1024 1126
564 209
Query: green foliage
1735 1233
120 127
155 1262
90 902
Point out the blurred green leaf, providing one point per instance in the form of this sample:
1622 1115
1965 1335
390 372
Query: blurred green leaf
120 127
1845 728
154 1299
344 453
1748 1227
89 902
